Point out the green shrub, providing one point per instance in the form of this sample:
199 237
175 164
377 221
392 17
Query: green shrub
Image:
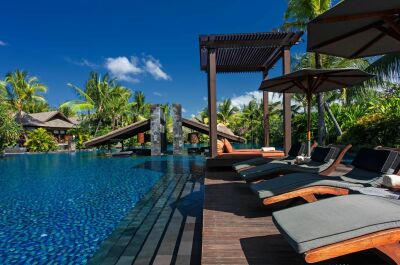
10 130
81 136
39 140
373 130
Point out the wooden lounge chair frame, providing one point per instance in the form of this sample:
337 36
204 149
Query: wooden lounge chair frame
308 193
386 242
332 168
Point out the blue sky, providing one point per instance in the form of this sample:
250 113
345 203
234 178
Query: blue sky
151 46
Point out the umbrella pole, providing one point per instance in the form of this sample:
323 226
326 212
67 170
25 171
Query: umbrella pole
308 125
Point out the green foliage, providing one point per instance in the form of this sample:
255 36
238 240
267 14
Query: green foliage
81 136
373 130
9 128
67 111
226 111
300 12
24 93
39 140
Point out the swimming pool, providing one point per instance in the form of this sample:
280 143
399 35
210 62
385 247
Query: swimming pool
59 208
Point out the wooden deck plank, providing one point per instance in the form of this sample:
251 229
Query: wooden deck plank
238 229
162 228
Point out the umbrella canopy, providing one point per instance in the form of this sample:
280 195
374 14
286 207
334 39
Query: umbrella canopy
357 28
313 81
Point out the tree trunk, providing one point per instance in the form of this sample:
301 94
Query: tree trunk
332 117
97 127
321 108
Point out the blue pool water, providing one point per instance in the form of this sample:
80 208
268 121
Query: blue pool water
58 208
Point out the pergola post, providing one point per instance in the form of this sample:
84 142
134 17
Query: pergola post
287 112
212 100
266 114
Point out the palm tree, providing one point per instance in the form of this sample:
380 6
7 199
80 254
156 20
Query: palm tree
140 110
296 17
226 111
95 97
118 106
386 70
202 116
23 91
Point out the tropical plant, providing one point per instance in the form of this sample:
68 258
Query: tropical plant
67 111
202 116
24 92
10 130
226 111
81 136
140 110
39 140
102 96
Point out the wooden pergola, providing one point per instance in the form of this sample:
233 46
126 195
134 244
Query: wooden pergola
244 53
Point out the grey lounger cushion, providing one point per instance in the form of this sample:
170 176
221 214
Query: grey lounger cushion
297 181
325 222
278 166
252 163
295 150
313 167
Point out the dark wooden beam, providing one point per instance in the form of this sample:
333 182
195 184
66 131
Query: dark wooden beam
388 31
393 23
367 45
218 44
266 114
212 100
287 112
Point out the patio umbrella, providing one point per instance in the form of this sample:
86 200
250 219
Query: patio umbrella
313 81
357 28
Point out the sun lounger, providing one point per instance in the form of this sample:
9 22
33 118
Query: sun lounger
295 150
369 167
342 225
229 156
324 161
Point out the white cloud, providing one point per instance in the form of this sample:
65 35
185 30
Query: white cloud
183 110
205 98
82 62
123 68
239 101
158 94
154 67
2 43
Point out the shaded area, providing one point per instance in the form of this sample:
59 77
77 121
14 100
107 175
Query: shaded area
165 226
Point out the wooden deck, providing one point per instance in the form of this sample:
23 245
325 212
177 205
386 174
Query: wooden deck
165 226
237 229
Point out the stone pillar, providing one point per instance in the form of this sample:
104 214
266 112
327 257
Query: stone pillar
177 129
157 130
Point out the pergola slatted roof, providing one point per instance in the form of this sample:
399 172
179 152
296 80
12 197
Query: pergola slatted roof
246 52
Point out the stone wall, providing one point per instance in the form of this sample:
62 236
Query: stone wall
157 131
177 129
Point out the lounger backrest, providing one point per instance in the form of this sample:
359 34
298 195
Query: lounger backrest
297 150
396 164
324 154
376 160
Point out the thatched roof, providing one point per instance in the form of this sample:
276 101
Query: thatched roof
49 119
